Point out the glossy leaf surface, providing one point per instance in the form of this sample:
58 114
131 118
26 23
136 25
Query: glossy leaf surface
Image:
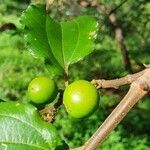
22 128
59 43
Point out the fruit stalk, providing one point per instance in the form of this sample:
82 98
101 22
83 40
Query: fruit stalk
66 77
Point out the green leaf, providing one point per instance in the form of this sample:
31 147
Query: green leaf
61 43
34 19
22 128
70 41
1 100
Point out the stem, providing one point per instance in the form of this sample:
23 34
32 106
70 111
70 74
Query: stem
102 8
118 33
117 7
115 83
66 76
115 117
138 89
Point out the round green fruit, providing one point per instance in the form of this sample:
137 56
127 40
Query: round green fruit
42 90
81 99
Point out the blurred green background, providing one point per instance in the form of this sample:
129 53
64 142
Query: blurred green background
18 68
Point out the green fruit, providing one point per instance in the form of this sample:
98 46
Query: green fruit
42 90
81 99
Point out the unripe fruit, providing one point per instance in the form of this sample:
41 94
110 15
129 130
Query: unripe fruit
81 99
42 90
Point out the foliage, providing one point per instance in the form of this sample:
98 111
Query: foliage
53 41
17 68
23 129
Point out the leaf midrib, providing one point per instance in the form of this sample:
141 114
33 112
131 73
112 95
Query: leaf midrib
62 48
54 60
76 42
47 48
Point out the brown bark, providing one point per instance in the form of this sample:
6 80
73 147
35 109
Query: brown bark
139 88
117 27
118 34
115 83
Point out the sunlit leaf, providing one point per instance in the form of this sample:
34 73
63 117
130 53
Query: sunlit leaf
22 128
60 43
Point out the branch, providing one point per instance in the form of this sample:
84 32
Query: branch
91 3
139 88
115 83
118 34
114 21
117 7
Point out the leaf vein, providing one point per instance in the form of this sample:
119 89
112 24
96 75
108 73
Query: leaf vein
25 123
62 48
76 43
